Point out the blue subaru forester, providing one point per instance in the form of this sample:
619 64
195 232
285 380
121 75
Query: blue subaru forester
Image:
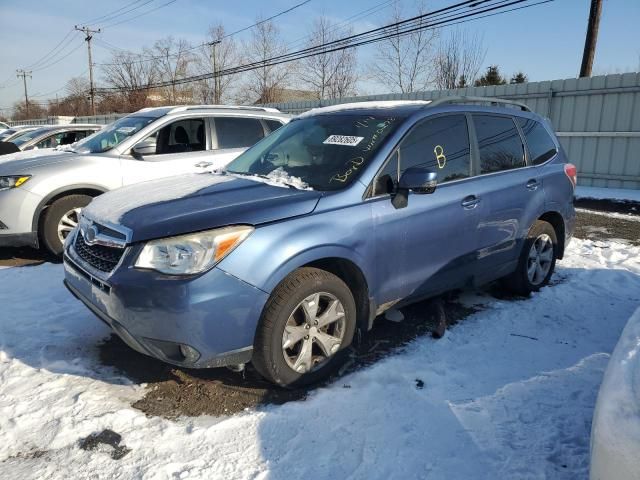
336 217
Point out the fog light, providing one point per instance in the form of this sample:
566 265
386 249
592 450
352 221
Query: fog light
190 354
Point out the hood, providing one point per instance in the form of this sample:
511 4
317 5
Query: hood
194 202
22 162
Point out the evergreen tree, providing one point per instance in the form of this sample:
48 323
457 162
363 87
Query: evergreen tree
519 77
492 77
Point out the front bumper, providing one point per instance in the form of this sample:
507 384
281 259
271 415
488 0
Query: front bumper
17 210
198 322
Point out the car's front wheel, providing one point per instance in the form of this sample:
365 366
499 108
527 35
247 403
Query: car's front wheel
307 324
60 218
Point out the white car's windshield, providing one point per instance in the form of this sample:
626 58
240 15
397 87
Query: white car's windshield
112 135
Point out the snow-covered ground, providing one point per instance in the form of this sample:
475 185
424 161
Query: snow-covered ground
599 193
507 393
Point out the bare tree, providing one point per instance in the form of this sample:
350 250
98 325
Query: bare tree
133 77
403 61
34 111
458 60
265 84
329 74
172 60
220 53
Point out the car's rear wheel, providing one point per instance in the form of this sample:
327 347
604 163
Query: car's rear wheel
60 218
537 260
307 324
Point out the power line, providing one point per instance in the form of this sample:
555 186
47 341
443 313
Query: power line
55 62
50 52
114 13
140 15
204 44
24 74
444 16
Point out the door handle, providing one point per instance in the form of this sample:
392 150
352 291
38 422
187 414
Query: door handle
470 202
532 184
203 164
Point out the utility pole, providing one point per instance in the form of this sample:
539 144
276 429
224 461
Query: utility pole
24 74
87 38
591 38
216 80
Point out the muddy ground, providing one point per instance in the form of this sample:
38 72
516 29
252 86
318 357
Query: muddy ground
172 392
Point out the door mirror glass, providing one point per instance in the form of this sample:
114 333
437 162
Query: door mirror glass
418 180
145 147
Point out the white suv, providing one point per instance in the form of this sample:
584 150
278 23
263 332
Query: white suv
40 197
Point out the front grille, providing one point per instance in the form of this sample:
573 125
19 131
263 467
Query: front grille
99 257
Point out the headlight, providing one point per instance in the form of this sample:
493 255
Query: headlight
13 181
193 253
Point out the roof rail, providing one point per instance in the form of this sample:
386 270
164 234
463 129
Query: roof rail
224 107
489 100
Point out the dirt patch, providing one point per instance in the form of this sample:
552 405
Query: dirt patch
172 391
596 226
617 206
21 257
108 441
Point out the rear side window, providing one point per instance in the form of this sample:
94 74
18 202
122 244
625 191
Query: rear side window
440 144
181 136
499 142
273 125
539 142
238 132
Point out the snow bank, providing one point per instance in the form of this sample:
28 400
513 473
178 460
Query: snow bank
616 422
598 193
507 393
111 206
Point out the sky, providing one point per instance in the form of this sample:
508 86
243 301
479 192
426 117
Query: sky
545 41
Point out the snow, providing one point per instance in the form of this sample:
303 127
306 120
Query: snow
111 206
600 193
616 425
508 393
277 178
362 105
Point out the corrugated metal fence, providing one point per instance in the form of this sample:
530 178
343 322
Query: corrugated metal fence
597 120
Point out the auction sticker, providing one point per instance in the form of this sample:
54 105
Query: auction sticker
343 140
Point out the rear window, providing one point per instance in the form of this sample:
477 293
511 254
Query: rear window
273 125
236 132
539 142
499 142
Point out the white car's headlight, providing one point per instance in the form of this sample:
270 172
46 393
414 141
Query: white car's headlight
13 181
192 253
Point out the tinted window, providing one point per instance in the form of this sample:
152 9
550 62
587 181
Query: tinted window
273 124
539 142
499 142
181 136
238 132
440 144
113 134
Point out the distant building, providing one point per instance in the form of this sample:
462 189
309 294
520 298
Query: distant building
289 95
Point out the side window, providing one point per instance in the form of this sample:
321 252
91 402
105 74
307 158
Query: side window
51 141
499 142
181 136
273 124
539 142
235 132
440 144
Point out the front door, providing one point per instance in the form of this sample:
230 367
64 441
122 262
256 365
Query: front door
429 246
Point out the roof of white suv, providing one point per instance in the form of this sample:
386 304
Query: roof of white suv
212 109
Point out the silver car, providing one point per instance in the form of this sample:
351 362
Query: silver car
14 132
40 197
51 136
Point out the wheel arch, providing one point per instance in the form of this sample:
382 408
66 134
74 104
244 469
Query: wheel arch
80 189
557 222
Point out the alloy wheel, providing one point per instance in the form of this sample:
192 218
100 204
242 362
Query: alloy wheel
540 259
314 332
67 223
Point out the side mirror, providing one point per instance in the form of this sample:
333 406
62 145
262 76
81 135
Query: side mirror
416 179
145 147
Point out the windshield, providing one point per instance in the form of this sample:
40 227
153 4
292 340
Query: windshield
112 135
30 135
325 152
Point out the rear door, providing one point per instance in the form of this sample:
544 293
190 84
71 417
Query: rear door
512 190
428 246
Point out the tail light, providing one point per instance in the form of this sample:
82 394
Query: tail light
572 172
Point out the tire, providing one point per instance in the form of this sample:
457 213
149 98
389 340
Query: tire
53 218
541 235
305 287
